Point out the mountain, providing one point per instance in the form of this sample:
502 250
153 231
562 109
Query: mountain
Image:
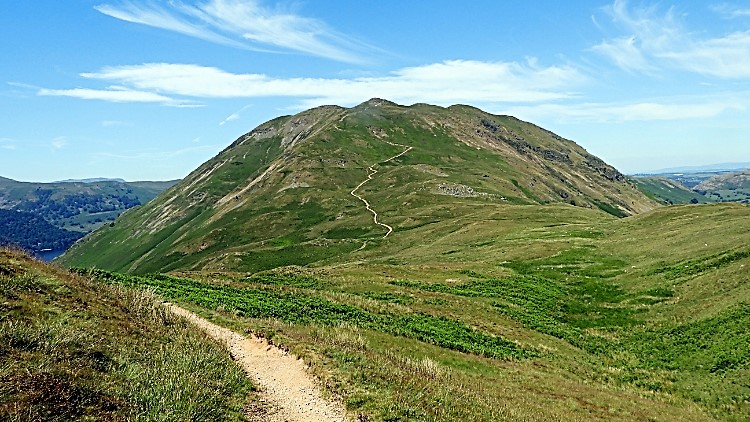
79 206
708 168
33 233
303 188
446 264
732 187
91 180
667 190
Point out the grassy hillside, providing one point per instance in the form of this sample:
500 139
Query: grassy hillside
524 279
74 349
668 191
529 313
281 194
732 187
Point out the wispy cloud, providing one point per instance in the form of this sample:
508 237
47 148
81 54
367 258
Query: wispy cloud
678 108
658 40
114 123
729 11
446 82
234 116
7 143
243 24
156 155
59 143
116 94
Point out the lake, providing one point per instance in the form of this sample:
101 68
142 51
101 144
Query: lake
49 255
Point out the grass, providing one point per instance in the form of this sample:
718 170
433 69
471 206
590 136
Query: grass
294 307
73 349
226 216
475 308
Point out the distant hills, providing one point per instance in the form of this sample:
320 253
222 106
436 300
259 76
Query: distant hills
732 187
32 232
293 190
91 180
54 215
721 167
698 186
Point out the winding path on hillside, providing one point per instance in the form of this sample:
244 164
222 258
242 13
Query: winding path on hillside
291 392
370 174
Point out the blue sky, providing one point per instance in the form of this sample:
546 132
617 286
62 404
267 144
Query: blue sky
148 90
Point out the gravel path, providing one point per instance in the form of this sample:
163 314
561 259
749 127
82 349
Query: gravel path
289 392
370 174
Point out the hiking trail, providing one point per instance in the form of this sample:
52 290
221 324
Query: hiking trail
285 385
370 174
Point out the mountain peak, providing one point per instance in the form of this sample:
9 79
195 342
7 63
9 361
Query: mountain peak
331 181
377 102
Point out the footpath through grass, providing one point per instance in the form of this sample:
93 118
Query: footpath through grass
301 308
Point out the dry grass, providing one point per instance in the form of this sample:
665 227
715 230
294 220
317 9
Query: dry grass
74 349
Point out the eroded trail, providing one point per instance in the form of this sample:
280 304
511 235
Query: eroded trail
370 174
286 386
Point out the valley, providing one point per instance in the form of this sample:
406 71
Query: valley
44 217
443 264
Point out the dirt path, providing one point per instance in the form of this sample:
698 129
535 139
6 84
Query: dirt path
291 392
370 174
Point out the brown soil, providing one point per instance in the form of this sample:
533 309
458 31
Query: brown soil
288 392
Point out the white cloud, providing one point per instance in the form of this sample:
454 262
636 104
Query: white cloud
115 94
646 110
727 57
114 123
624 53
729 11
232 117
156 16
243 24
444 83
654 40
157 155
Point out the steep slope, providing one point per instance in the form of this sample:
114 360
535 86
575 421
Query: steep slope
282 194
75 349
732 187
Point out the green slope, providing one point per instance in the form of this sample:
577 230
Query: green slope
515 313
668 191
732 187
281 194
509 289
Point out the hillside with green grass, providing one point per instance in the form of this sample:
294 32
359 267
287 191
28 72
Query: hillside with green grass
732 187
668 191
444 264
72 348
529 313
285 192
